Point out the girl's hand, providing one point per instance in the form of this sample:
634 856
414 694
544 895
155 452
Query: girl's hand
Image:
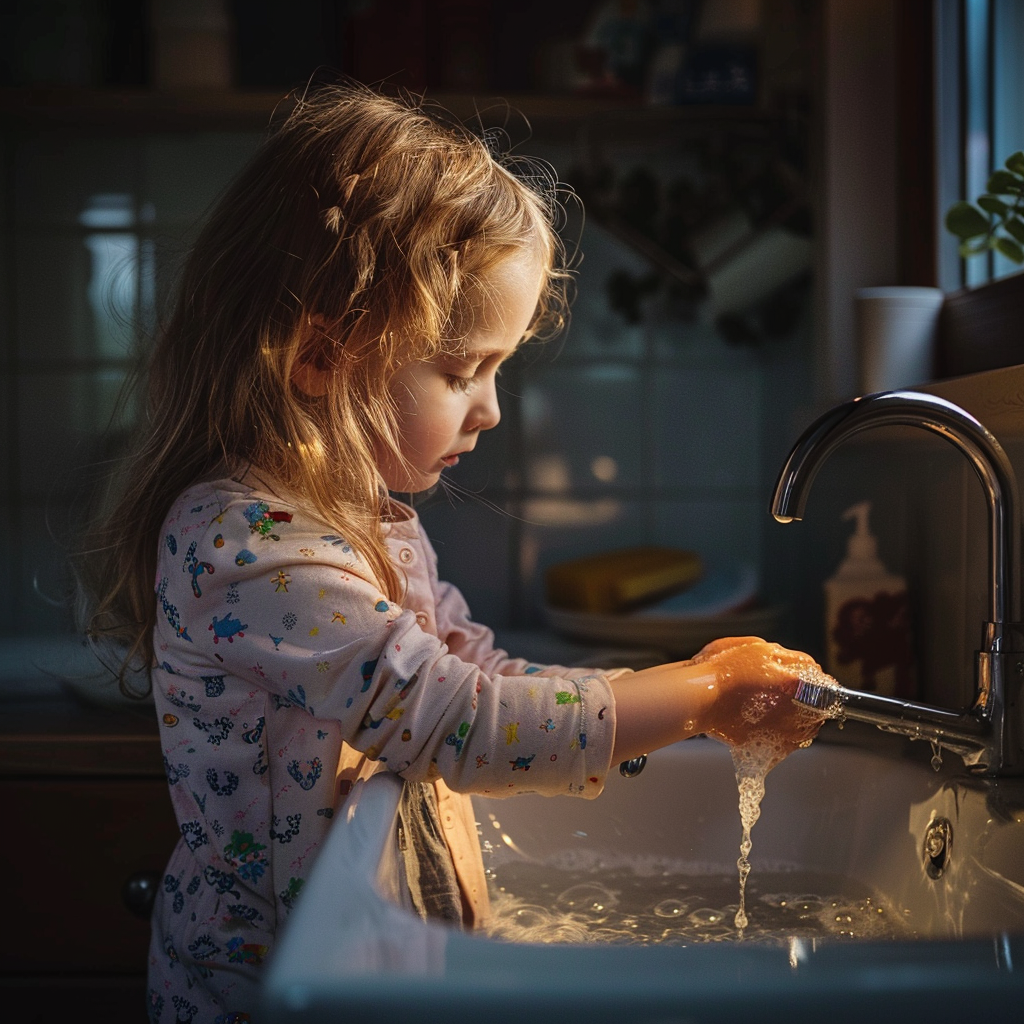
754 685
733 689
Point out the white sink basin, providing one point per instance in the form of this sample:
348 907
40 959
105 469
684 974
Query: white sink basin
859 807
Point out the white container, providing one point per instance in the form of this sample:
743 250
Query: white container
867 620
896 331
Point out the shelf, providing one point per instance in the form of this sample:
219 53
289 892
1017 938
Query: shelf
149 110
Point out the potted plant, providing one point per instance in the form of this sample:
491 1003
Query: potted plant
980 327
996 220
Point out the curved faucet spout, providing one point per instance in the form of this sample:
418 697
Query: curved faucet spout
990 727
916 409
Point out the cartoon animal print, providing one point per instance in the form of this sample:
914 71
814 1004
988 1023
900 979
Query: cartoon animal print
262 520
308 779
214 685
195 568
289 895
221 882
227 628
246 856
336 541
366 671
180 699
203 948
230 782
242 952
253 735
244 913
184 1010
295 699
294 822
457 740
175 773
217 730
170 611
172 885
194 835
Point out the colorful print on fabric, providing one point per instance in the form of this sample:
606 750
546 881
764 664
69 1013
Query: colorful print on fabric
263 522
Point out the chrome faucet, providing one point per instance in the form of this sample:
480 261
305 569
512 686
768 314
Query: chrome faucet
988 734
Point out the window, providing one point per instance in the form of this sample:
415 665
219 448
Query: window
980 104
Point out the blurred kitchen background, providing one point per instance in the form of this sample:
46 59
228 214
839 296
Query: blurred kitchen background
744 166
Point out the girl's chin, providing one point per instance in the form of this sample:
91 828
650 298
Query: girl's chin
408 485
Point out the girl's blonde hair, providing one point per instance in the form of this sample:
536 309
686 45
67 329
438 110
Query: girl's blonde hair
357 239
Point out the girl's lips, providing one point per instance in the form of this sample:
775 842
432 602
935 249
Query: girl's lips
450 460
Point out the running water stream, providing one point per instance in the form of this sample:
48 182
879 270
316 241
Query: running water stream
611 902
769 733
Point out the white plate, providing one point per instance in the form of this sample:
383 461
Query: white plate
680 636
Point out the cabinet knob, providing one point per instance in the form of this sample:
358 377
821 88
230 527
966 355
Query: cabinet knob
139 892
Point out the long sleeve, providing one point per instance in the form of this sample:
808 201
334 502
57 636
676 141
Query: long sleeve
251 586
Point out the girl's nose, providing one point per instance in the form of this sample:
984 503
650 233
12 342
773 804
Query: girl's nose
485 413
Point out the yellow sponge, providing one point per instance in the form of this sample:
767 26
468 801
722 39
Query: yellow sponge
617 580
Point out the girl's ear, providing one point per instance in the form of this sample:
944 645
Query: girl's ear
311 371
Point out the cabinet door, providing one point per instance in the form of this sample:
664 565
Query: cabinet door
71 847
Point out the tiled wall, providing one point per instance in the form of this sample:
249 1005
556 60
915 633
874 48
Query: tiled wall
90 228
617 434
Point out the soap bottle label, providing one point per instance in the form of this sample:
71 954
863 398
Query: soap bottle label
869 643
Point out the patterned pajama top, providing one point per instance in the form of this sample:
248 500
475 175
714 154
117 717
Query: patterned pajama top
282 673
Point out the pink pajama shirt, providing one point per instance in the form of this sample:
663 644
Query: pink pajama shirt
282 673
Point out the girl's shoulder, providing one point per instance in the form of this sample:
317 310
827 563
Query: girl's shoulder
244 519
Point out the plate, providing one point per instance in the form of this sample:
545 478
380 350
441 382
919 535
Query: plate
679 635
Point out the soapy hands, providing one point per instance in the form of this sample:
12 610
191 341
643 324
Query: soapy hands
737 689
752 693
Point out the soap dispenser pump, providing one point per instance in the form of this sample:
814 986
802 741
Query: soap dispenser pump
868 637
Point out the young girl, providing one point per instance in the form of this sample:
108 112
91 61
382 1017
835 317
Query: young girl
337 336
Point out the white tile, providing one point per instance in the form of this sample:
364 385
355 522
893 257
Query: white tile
76 295
58 177
582 428
43 592
61 419
473 545
184 174
707 425
722 532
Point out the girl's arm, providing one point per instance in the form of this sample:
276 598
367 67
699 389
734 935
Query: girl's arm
731 687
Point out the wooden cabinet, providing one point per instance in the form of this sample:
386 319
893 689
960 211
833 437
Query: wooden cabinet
88 831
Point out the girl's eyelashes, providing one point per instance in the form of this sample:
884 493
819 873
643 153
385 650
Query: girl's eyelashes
464 382
457 383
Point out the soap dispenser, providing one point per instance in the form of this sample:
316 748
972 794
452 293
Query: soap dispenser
867 614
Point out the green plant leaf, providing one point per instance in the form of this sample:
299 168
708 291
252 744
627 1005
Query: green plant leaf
1015 162
966 220
968 249
992 205
1004 183
1015 227
1010 249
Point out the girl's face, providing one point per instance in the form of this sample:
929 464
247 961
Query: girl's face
444 403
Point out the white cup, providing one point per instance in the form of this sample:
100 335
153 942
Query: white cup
896 331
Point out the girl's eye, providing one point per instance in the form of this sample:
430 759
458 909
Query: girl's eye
457 383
